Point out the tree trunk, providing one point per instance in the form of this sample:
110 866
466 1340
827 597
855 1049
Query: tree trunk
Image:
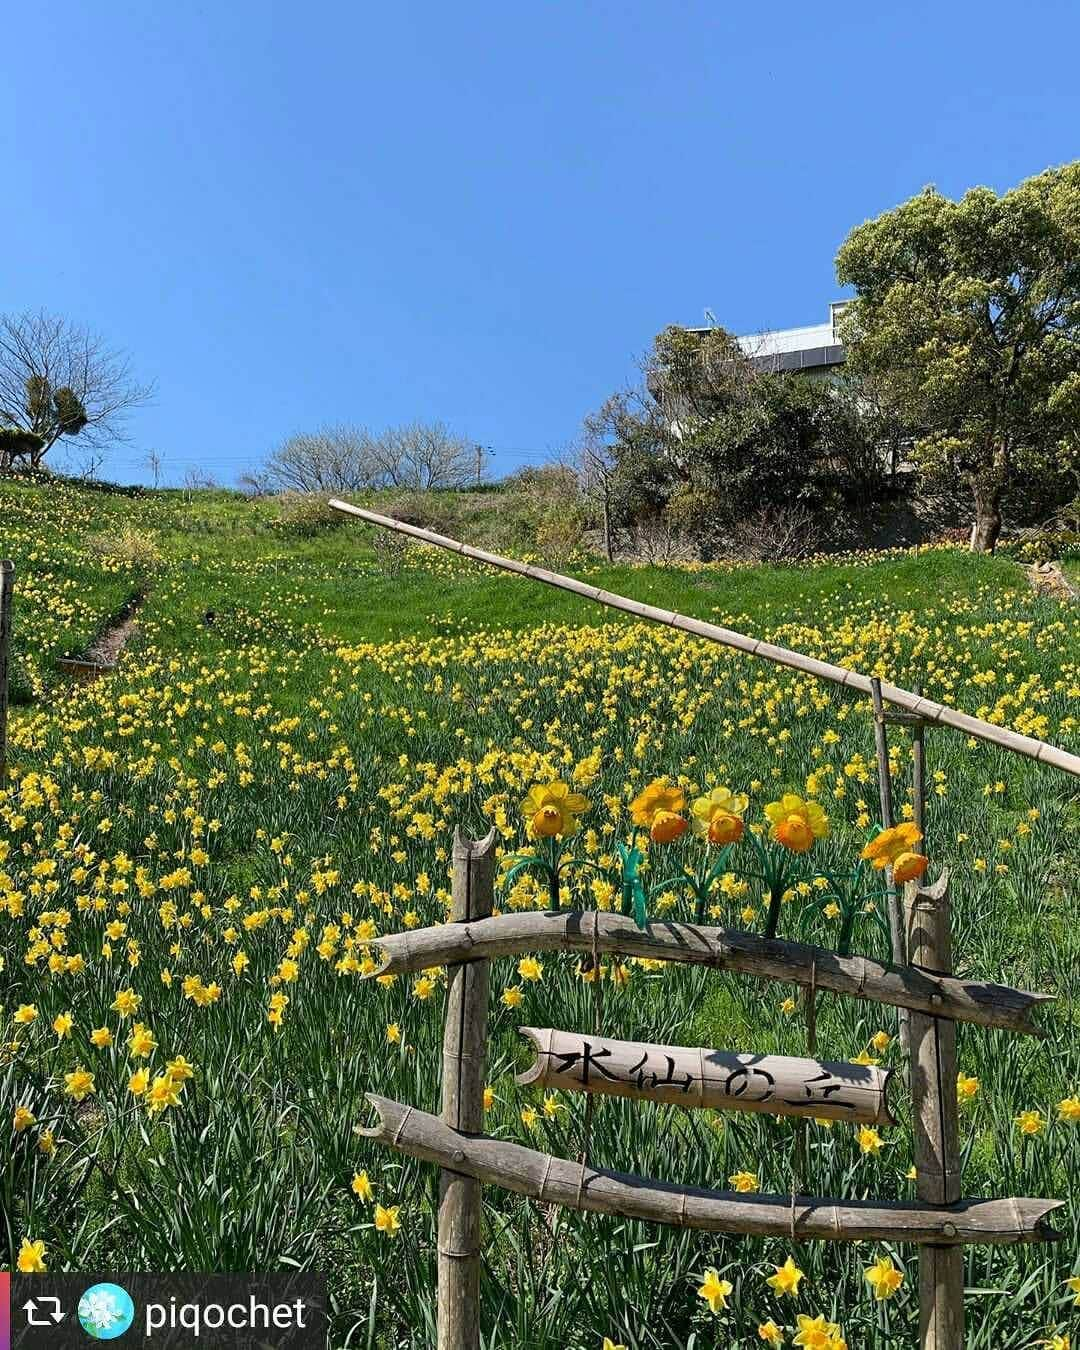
987 524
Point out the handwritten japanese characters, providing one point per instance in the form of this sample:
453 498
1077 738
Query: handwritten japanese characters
718 1079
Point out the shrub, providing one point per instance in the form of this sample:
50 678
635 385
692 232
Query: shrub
128 548
304 514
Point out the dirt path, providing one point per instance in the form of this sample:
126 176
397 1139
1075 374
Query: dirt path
112 642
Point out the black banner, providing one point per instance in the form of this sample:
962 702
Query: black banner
173 1312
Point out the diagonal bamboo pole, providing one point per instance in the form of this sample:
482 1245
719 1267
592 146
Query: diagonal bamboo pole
927 709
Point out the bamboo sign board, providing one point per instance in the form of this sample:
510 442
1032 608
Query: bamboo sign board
771 1084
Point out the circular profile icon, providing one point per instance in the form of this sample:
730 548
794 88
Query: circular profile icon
106 1311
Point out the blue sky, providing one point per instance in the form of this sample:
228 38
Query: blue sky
291 214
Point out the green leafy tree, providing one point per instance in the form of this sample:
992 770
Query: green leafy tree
967 316
711 442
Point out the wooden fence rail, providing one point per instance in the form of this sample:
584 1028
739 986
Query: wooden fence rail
574 1185
985 1004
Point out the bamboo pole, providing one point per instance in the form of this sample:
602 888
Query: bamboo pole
937 1132
1004 739
986 1004
7 586
464 1067
560 1181
918 776
888 819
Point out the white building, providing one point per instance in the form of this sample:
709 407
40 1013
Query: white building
812 350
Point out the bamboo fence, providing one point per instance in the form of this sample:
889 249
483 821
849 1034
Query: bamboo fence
941 1222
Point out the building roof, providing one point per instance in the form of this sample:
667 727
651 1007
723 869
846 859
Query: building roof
812 347
785 340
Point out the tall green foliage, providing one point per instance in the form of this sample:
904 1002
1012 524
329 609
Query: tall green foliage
967 315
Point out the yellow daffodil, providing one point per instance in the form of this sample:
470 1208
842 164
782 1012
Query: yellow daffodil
714 1290
967 1087
786 1278
78 1084
883 1278
744 1182
31 1258
1069 1109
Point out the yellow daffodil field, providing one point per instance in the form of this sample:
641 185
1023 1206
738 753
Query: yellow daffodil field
198 850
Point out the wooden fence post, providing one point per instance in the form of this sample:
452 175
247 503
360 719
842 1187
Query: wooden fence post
937 1132
918 775
881 745
463 1075
7 584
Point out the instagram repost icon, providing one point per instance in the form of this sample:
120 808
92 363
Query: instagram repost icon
106 1311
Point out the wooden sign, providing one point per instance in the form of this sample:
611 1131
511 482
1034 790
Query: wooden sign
776 1085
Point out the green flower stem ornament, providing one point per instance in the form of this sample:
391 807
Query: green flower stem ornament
698 883
778 870
633 891
852 894
550 863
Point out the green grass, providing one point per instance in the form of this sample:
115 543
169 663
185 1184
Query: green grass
374 713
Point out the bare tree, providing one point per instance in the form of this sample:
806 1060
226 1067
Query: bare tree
58 379
417 457
423 455
334 459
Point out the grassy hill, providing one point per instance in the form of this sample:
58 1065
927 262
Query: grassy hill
272 776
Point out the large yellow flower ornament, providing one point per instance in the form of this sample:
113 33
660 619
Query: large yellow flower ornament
659 809
551 809
796 823
896 847
718 816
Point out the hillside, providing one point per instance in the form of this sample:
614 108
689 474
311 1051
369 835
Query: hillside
205 842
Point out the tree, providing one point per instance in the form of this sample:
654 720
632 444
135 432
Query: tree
710 439
968 313
417 457
420 456
59 380
333 459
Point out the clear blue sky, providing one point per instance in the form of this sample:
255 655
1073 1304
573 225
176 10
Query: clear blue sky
295 213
